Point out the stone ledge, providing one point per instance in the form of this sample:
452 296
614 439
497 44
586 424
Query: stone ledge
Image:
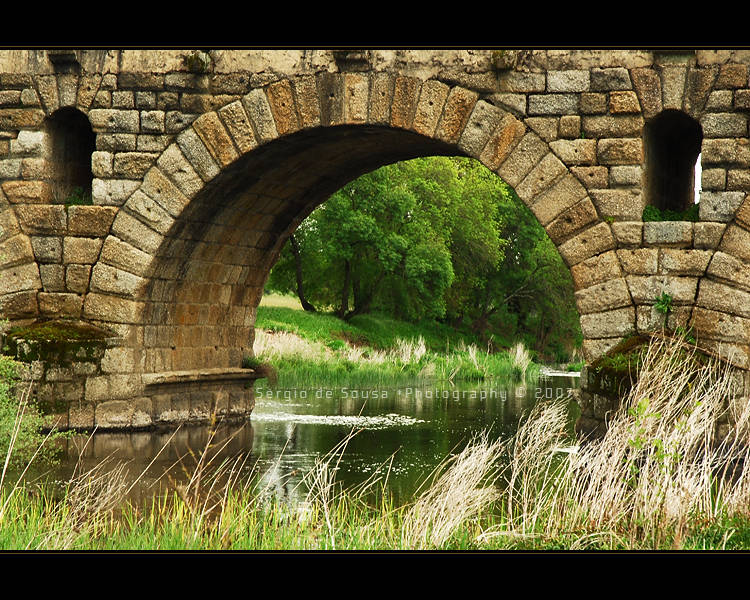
199 376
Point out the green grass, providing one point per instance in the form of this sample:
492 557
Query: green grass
304 347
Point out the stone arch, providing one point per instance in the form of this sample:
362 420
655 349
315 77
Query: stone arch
266 160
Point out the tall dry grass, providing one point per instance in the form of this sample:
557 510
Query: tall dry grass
659 472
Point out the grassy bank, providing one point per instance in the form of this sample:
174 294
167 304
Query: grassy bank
375 349
659 479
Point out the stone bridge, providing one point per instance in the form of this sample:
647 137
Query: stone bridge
144 195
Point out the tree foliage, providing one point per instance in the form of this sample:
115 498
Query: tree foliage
433 238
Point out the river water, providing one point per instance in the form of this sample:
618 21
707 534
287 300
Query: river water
399 434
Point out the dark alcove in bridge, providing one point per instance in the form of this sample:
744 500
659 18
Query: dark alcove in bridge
672 143
72 142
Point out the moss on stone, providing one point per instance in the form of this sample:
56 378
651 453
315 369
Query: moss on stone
59 341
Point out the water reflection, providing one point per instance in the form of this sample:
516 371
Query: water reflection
402 433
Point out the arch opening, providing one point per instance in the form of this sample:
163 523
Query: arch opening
672 145
72 143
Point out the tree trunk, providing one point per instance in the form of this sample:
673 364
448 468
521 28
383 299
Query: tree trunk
298 271
344 307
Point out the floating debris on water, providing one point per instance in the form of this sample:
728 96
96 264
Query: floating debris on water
362 422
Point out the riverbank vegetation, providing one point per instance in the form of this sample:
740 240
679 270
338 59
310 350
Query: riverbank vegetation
438 240
375 349
660 478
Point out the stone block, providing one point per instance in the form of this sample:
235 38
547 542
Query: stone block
571 221
550 203
575 152
503 140
713 179
46 249
356 97
593 104
545 127
724 298
102 164
105 307
586 244
622 205
612 126
731 269
259 111
738 179
541 177
736 241
282 105
60 304
150 212
625 176
673 87
77 278
132 165
624 102
42 219
684 262
519 81
130 229
718 325
649 319
732 152
591 177
614 323
570 127
90 221
53 277
458 107
197 154
28 192
732 75
482 122
639 261
568 81
596 269
29 143
153 121
646 289
381 96
610 78
720 206
116 142
106 120
112 192
174 164
707 235
668 233
602 297
628 234
553 104
113 414
724 125
524 156
112 280
622 151
238 125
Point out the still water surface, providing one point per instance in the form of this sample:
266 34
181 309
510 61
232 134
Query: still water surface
404 432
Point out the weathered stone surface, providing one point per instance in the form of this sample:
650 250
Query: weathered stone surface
575 152
614 78
622 205
736 241
620 322
549 204
218 141
571 221
527 153
553 104
720 206
668 233
596 269
628 233
605 296
724 125
648 289
708 235
90 221
624 102
592 177
259 111
456 113
113 192
430 106
282 105
728 152
405 95
640 261
506 136
568 81
541 177
647 85
620 151
81 250
590 242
